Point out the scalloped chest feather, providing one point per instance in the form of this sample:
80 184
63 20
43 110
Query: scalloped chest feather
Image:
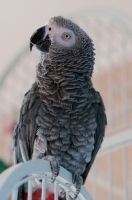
67 119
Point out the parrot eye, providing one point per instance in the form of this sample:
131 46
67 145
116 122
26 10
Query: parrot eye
66 36
49 29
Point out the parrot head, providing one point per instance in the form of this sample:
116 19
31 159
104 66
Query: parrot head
59 32
54 33
61 38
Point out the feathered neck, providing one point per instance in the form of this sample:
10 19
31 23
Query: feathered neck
60 85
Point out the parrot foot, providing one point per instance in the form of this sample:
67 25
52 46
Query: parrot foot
79 181
55 167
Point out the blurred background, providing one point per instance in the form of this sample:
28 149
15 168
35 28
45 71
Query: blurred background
109 24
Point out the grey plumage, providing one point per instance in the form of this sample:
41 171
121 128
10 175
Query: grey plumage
62 107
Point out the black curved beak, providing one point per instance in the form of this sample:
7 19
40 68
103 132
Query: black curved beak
41 40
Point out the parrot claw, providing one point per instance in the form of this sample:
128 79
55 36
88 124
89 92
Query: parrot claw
74 177
79 181
55 167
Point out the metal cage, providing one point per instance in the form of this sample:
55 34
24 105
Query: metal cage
28 172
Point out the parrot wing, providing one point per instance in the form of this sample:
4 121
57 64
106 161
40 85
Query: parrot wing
26 127
100 131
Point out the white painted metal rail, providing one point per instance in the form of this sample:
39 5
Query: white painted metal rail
119 145
27 172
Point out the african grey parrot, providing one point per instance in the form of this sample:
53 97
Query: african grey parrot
62 118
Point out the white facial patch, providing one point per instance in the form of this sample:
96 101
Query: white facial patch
63 36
